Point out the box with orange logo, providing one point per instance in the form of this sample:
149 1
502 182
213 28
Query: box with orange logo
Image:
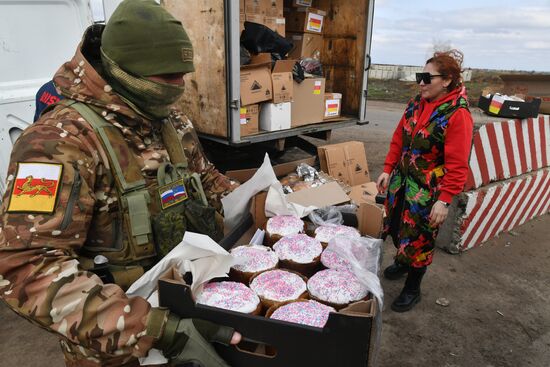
305 20
333 105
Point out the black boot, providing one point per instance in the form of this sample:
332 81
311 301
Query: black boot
395 270
410 295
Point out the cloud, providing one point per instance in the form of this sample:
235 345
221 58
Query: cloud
496 36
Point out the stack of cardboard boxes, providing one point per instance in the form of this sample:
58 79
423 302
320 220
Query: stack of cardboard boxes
266 12
271 100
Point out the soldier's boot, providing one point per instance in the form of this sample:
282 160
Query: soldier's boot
395 270
410 295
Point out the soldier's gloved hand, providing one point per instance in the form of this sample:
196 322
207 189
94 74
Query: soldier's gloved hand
188 340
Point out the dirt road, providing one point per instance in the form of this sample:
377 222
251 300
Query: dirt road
499 312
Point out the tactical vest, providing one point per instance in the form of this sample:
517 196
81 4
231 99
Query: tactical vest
153 218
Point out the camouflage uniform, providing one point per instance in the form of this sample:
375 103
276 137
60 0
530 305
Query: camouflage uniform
41 277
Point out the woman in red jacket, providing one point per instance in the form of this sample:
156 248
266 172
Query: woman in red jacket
428 164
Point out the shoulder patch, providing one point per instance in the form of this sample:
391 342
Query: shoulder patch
36 187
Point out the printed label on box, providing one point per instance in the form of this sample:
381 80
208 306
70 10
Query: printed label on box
332 107
317 87
304 2
243 116
496 104
314 22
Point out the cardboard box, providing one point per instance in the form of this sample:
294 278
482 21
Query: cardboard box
256 81
364 193
282 81
305 45
513 109
531 86
275 116
333 105
276 24
371 219
328 194
249 119
257 205
255 18
274 343
299 3
308 106
305 20
345 161
254 7
241 6
274 8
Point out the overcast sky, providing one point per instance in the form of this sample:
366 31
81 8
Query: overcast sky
493 34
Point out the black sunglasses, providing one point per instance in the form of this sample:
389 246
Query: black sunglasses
426 77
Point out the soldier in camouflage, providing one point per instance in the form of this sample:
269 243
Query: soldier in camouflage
66 200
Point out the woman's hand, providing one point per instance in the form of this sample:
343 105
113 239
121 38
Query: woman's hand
439 214
382 182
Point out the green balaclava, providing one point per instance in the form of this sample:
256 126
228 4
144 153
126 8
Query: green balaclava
142 39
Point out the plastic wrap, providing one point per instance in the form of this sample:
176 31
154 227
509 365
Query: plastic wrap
329 215
312 66
362 256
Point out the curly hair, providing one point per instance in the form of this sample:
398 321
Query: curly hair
449 63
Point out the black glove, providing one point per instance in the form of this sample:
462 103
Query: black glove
187 341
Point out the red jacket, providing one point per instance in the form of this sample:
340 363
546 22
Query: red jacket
458 141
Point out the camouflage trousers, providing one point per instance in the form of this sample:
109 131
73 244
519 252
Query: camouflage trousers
77 356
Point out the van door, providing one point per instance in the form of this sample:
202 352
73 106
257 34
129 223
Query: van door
36 38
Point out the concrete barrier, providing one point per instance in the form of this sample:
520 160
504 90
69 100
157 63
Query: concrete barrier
479 215
508 183
505 149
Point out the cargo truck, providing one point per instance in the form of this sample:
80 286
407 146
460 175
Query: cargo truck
37 36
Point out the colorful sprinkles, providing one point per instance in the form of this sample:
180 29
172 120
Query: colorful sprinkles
278 285
328 232
253 259
229 296
299 248
284 225
338 287
308 312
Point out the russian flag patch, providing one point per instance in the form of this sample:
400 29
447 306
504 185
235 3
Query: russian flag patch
172 194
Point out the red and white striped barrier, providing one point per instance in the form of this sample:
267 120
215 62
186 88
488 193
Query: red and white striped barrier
503 150
508 183
503 206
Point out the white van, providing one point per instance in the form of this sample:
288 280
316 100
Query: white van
36 38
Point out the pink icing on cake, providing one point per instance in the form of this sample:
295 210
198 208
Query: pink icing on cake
327 232
229 296
299 248
332 260
338 287
310 313
255 258
278 285
284 225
